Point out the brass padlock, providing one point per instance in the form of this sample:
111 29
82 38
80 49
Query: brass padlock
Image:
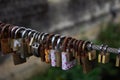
100 58
100 54
105 57
117 64
91 53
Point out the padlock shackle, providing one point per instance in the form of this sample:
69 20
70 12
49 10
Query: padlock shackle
44 36
36 36
25 33
19 29
48 41
30 33
79 48
65 42
39 36
54 40
70 44
59 42
12 31
4 29
9 30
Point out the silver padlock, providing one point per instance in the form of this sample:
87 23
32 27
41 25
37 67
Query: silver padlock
35 46
19 40
35 49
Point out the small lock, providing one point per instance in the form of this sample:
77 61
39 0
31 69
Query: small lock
47 56
58 51
42 53
92 55
99 58
65 63
35 49
53 51
17 59
53 58
86 64
117 64
5 40
91 52
105 58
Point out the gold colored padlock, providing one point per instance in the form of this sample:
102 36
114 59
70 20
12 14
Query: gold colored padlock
92 55
91 52
117 64
99 58
47 56
105 58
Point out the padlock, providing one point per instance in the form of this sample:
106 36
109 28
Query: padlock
5 40
87 66
17 59
75 52
1 26
66 62
31 37
35 46
12 36
117 64
58 51
21 47
47 48
43 41
53 51
91 52
100 54
78 48
25 42
67 49
35 49
105 57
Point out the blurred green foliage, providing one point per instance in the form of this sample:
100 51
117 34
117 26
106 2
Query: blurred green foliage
110 36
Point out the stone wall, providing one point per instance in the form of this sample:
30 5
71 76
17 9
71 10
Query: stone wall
51 15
